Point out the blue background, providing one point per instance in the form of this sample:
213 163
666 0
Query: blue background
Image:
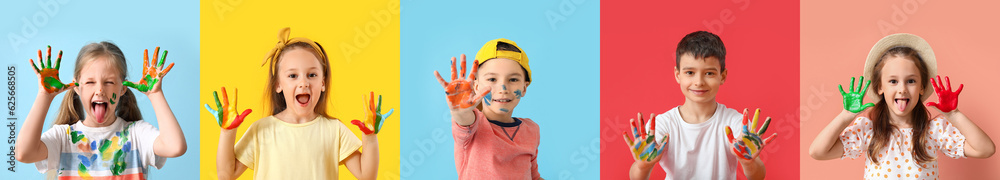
563 97
133 26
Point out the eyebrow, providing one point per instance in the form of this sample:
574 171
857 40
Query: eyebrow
511 74
692 68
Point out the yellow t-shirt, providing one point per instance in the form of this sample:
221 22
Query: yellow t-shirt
275 149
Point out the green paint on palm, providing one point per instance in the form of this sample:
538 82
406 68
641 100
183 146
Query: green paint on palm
53 82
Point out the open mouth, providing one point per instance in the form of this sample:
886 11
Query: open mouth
502 101
99 109
302 99
901 103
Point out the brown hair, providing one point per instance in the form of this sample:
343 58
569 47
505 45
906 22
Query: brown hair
882 129
701 44
71 110
277 100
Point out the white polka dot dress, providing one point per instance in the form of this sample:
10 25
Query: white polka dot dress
896 159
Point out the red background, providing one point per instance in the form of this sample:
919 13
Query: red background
637 59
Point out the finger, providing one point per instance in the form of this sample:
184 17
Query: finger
480 95
948 86
239 119
865 90
628 141
361 125
852 84
475 68
454 73
635 132
859 83
40 60
210 110
935 85
71 85
162 58
770 138
166 70
763 128
225 98
156 54
866 105
753 124
462 75
145 58
960 86
729 134
932 104
34 66
444 84
652 123
640 126
131 84
48 54
842 90
745 113
58 60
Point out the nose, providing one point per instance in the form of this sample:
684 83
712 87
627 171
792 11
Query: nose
502 89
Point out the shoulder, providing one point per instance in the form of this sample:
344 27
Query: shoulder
527 122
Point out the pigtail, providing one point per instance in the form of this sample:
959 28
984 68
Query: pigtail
71 109
128 109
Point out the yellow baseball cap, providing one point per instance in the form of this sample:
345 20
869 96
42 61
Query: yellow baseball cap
489 51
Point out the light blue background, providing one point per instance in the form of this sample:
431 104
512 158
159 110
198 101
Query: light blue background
133 26
563 97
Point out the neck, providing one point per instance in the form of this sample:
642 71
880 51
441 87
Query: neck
697 112
107 122
504 117
295 118
901 121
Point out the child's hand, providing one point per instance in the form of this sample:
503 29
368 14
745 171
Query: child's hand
225 111
48 75
459 90
643 143
151 73
373 115
853 101
749 144
948 100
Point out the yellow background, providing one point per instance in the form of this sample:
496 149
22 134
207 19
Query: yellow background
237 34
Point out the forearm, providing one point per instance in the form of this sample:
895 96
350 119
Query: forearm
369 158
975 138
171 139
225 161
463 118
823 147
29 144
754 169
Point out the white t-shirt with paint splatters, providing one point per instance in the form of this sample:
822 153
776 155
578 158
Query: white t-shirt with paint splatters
698 151
896 160
122 150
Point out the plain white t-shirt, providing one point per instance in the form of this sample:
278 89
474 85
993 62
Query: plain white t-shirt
698 151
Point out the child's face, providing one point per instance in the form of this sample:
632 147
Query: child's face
699 79
901 85
100 89
506 79
300 78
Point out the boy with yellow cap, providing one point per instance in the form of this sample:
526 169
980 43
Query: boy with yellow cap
489 142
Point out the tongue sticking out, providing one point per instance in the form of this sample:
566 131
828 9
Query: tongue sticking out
99 110
302 98
901 104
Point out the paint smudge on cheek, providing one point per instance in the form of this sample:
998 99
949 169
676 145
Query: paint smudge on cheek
488 98
518 94
113 97
504 110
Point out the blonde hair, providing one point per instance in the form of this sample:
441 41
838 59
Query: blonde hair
71 110
276 101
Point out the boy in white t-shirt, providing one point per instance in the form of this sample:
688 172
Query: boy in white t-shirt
696 145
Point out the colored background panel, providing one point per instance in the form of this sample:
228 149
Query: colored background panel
561 40
638 40
360 37
134 27
835 45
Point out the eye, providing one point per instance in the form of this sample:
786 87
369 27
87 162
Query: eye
491 79
293 75
893 81
109 82
689 72
911 81
710 73
89 82
313 75
514 79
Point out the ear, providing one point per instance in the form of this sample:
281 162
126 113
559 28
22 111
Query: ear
677 75
525 92
724 74
277 87
76 90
